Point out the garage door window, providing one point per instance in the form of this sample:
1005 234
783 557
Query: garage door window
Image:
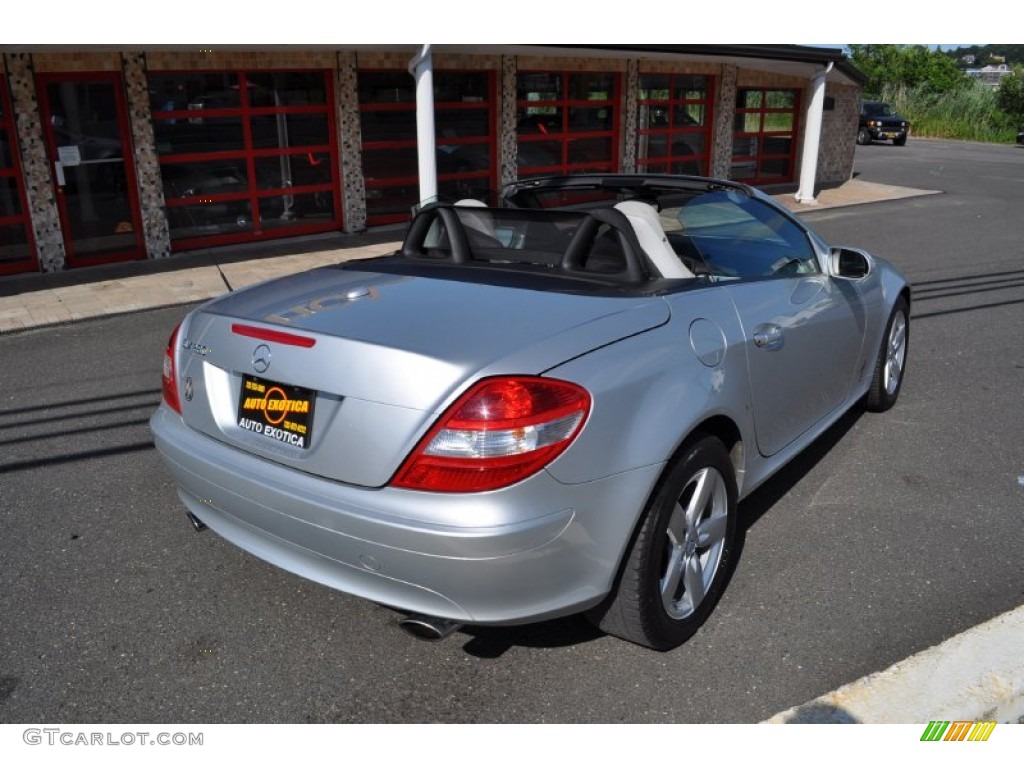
567 123
246 155
765 135
465 139
674 123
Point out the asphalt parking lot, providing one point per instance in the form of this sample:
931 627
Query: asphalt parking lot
892 533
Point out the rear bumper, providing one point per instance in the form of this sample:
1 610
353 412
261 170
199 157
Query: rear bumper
533 551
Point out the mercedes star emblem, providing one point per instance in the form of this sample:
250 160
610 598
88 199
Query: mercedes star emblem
261 358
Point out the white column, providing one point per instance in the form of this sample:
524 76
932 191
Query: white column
422 68
812 138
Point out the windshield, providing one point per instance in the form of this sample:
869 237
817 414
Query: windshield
879 110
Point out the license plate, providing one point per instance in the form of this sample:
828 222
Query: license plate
281 412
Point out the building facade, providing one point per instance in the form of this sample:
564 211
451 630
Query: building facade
109 155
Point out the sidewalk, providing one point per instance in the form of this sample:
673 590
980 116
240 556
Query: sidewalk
33 301
41 300
977 675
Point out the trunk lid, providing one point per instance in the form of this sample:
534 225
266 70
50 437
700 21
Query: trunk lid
388 353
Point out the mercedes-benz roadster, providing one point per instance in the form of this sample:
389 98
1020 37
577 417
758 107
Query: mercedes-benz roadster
547 406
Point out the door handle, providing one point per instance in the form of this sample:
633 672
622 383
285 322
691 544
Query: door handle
768 336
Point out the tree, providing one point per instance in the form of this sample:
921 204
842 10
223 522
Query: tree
1010 96
909 66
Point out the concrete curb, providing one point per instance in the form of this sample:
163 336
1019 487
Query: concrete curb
977 675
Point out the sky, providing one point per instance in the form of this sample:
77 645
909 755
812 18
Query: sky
464 21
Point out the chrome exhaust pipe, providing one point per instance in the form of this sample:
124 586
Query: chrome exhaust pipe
198 524
430 628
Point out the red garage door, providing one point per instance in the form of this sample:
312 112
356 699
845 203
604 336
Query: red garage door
567 122
246 155
464 119
765 135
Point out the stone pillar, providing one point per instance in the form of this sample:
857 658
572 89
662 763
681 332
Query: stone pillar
508 147
632 85
350 142
725 114
35 166
156 230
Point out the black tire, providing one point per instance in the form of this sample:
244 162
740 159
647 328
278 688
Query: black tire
637 610
899 142
891 363
863 136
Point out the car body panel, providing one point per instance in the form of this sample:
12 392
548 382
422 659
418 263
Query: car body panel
811 363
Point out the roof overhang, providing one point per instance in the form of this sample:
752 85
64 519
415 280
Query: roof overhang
794 60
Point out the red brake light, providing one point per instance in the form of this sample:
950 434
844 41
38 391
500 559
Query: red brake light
170 374
268 334
499 432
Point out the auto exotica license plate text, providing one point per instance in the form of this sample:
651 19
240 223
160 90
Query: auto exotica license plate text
280 412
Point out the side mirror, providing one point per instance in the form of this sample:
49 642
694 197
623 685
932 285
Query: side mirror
850 263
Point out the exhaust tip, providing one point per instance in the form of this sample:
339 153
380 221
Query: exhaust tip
197 524
429 628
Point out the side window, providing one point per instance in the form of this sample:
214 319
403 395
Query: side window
740 238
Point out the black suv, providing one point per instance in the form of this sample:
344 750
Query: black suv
880 121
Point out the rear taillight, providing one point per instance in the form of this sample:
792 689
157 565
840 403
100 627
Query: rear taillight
170 375
499 432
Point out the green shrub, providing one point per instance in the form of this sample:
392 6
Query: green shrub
970 112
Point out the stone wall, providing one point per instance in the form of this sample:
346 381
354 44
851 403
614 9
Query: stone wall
35 166
156 232
725 110
508 149
838 129
350 144
627 121
91 61
210 58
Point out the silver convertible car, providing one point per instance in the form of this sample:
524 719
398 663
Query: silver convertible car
543 407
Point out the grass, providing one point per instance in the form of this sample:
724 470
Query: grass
969 113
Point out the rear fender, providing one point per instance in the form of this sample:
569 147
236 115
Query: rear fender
652 390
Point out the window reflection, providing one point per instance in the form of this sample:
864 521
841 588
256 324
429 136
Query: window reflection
196 135
206 219
276 89
202 179
284 130
14 245
6 158
294 170
193 91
